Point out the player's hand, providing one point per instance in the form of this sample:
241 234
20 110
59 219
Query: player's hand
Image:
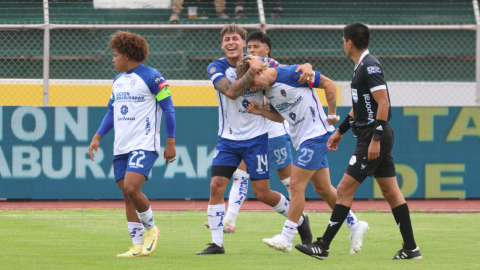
254 107
374 150
334 120
334 140
256 65
266 103
307 73
170 151
94 145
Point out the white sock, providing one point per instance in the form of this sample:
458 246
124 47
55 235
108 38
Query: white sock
351 222
286 183
147 219
237 196
215 221
136 232
282 206
289 231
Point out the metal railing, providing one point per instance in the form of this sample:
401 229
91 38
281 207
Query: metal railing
266 27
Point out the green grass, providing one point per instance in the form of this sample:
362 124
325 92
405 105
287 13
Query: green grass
90 239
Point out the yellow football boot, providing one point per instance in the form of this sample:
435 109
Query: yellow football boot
135 251
150 243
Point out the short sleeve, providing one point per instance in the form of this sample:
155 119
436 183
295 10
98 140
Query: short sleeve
375 77
159 86
215 73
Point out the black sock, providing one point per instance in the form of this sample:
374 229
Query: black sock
402 217
339 214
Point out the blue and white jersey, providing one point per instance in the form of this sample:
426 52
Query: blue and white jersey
234 121
299 105
276 129
136 112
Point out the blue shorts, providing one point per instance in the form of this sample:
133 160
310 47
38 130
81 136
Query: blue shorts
280 152
139 161
312 154
254 152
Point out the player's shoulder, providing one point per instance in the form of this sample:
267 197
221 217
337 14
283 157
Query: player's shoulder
119 76
370 60
287 75
220 63
149 74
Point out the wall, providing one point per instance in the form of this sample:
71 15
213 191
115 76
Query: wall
44 154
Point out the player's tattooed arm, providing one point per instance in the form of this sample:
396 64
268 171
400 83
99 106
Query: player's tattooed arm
236 89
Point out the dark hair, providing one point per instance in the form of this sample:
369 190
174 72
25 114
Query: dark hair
260 37
358 33
132 45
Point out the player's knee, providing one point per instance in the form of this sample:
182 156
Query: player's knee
323 191
261 195
131 190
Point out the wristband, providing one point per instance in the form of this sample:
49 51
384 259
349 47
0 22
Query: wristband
345 125
378 129
332 116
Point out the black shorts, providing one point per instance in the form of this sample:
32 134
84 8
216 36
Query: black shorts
226 171
359 167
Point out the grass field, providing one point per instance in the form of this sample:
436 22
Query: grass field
90 239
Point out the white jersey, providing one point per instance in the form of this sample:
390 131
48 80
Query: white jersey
137 115
276 129
299 105
234 121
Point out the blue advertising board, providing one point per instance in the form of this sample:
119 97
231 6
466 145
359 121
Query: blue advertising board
44 155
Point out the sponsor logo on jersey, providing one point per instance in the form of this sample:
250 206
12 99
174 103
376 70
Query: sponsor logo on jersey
124 118
212 70
271 97
374 69
249 93
298 122
163 84
293 116
355 95
313 113
284 94
245 103
118 85
216 153
124 109
132 83
368 105
147 126
288 106
125 97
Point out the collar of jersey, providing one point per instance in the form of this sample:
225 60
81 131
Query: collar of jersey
133 69
361 58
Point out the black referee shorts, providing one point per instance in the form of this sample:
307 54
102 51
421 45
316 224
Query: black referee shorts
359 167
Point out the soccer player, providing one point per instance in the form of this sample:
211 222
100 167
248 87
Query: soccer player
310 130
259 44
372 156
140 95
242 136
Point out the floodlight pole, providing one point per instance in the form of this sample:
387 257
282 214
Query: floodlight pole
46 52
477 51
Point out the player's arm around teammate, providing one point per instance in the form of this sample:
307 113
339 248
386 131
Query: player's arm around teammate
310 129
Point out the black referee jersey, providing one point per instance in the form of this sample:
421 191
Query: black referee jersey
368 77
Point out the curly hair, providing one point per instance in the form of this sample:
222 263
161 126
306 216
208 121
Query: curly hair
132 45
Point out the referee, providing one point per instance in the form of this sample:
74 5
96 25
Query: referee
372 156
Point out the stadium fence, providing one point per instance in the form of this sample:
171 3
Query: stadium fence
55 67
